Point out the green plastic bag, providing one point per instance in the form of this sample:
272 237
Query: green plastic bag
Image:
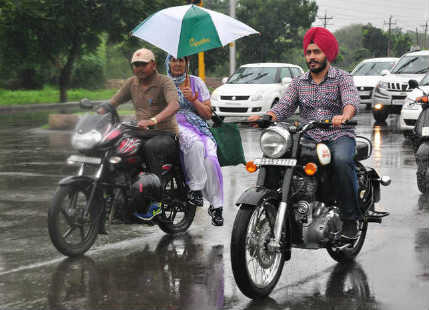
229 148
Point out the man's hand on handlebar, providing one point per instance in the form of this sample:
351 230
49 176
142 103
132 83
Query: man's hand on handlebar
146 124
100 110
339 120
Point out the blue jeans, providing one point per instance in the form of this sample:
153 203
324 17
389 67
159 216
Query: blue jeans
345 177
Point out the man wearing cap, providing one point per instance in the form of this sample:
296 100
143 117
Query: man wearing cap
325 92
155 100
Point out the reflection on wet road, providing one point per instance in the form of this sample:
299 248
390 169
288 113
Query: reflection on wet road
139 267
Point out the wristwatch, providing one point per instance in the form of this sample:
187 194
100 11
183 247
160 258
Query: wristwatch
153 119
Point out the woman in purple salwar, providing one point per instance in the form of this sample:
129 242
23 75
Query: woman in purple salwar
197 144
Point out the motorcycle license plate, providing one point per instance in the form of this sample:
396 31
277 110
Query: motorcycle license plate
275 162
425 131
84 159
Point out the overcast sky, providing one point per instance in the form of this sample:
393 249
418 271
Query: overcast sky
407 14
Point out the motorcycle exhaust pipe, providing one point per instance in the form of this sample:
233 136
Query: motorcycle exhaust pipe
385 180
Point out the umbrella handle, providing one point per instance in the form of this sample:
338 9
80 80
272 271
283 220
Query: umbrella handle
187 84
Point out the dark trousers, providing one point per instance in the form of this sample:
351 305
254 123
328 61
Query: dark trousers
345 177
158 151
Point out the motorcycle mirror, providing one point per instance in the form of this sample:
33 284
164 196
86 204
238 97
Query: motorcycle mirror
412 84
85 103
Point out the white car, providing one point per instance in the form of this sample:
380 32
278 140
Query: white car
392 89
410 110
253 89
367 74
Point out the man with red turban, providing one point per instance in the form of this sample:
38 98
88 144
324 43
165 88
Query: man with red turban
326 92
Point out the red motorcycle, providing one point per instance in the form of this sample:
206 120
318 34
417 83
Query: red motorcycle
112 183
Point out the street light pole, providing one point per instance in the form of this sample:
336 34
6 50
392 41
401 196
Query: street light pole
232 44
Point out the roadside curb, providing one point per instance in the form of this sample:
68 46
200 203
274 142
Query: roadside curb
42 106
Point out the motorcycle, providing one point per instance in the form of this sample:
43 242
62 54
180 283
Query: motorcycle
420 137
293 205
112 183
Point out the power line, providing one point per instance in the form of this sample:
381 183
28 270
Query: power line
426 29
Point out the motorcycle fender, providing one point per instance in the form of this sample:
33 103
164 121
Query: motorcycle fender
253 195
76 180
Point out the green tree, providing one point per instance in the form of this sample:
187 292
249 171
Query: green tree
39 33
375 40
278 21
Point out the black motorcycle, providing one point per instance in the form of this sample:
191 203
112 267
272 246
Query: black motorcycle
113 183
293 205
420 138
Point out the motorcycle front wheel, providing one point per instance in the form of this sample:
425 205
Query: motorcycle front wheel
349 253
72 230
177 215
256 269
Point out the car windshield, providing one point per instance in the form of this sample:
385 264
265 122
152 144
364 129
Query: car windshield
425 80
255 75
372 68
412 65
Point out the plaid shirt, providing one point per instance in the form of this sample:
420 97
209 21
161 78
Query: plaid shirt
320 101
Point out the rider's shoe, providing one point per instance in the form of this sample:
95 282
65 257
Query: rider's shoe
216 214
350 230
196 198
154 210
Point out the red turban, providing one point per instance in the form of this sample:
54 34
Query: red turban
324 39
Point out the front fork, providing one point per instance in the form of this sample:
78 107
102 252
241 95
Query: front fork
275 243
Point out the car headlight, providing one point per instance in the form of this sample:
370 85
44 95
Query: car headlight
275 141
215 97
86 140
257 97
382 85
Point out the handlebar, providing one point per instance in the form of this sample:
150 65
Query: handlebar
267 121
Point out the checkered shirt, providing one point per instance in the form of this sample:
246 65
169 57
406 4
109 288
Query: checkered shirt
320 101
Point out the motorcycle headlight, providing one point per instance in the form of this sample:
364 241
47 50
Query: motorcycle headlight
86 140
275 141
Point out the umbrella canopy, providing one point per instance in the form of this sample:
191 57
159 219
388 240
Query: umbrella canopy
189 29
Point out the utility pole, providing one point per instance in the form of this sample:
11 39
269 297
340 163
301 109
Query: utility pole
417 37
390 32
232 44
426 29
325 19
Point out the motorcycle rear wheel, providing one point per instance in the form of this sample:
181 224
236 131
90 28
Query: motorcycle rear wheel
256 269
72 232
348 254
177 215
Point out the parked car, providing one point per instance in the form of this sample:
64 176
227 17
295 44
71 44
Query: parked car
392 89
367 74
253 88
410 110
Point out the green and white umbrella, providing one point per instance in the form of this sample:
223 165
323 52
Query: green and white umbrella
189 29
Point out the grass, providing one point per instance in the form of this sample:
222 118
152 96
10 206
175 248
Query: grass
51 95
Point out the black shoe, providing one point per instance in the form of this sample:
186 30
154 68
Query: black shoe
196 198
216 214
350 230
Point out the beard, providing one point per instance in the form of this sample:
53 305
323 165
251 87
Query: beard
322 66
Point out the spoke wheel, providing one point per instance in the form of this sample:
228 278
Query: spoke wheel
177 215
256 269
72 230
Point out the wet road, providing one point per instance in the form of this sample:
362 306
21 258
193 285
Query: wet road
139 267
